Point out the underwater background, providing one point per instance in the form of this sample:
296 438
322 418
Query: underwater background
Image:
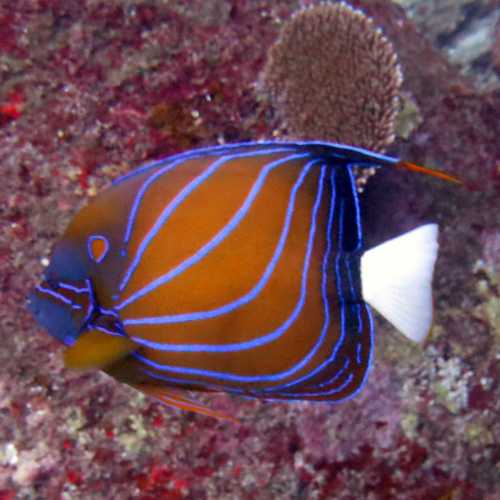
91 89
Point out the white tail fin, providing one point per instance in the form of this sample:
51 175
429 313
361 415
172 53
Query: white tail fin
396 279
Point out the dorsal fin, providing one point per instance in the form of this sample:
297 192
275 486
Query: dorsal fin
433 172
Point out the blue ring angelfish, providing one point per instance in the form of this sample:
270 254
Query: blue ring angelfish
237 268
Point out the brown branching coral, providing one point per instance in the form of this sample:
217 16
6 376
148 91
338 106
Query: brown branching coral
335 77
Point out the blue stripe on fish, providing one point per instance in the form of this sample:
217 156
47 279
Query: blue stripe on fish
305 360
202 315
169 209
326 363
361 157
259 341
57 296
216 240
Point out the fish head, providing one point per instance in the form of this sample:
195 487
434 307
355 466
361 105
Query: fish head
74 300
63 302
76 291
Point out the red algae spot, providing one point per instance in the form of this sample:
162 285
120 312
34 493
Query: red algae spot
203 471
104 455
12 107
413 458
7 494
17 410
179 484
160 474
74 477
158 421
156 483
109 432
68 444
479 398
237 471
86 159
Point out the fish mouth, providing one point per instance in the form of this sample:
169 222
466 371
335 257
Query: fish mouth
67 311
55 318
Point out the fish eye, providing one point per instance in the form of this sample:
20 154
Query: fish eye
97 247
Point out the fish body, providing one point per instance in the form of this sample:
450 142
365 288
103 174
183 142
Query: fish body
237 268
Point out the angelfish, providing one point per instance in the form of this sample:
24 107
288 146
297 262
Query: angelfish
237 268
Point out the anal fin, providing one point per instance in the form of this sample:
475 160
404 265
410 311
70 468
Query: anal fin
175 397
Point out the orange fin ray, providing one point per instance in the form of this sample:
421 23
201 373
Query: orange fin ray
175 398
429 171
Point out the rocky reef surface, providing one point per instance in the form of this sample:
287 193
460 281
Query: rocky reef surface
88 91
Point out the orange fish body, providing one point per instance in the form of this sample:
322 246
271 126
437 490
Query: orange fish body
236 268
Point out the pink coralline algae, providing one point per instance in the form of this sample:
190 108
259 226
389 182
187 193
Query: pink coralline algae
90 90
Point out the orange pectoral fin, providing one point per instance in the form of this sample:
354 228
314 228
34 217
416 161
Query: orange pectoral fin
174 397
96 350
429 171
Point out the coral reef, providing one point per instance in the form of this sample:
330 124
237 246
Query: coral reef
465 29
335 77
438 17
88 90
